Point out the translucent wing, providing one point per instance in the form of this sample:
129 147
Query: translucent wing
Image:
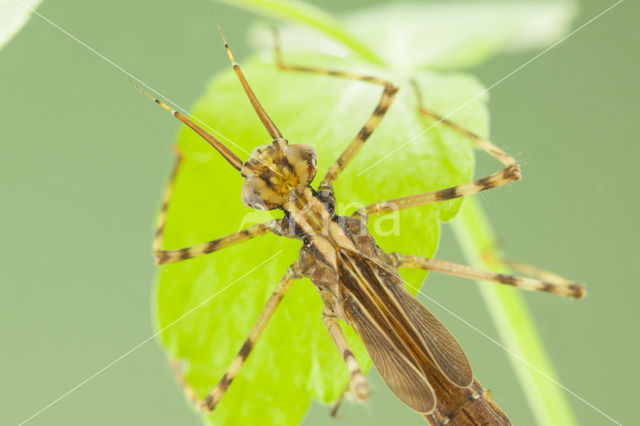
382 294
396 368
443 348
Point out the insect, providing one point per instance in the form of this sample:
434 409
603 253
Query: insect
416 356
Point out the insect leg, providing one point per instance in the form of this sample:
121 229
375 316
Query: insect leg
497 179
211 400
356 378
176 366
334 411
169 256
524 268
369 126
262 114
509 173
482 143
549 282
215 143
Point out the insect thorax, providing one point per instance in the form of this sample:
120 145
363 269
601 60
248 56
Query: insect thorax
277 173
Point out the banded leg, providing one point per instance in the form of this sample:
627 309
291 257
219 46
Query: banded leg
215 143
358 383
262 114
509 173
176 255
166 198
191 395
369 126
169 256
550 283
487 146
524 268
211 400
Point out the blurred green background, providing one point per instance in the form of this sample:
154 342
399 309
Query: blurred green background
84 159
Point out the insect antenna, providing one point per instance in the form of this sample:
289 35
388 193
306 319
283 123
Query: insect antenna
219 146
262 114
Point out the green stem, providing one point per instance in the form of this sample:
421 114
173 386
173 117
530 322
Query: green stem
514 323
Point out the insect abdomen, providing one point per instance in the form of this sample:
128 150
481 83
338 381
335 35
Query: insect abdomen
465 407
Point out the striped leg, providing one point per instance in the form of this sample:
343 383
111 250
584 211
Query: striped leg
356 378
509 173
487 146
215 143
369 126
169 256
176 366
262 114
497 179
549 283
524 268
211 400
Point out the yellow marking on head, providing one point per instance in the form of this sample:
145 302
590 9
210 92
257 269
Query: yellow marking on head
276 172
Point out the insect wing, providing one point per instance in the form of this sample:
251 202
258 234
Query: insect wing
432 343
404 379
444 349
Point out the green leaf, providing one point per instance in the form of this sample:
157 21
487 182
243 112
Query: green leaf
410 36
295 359
306 14
453 36
14 16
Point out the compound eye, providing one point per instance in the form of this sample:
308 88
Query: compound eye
257 195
